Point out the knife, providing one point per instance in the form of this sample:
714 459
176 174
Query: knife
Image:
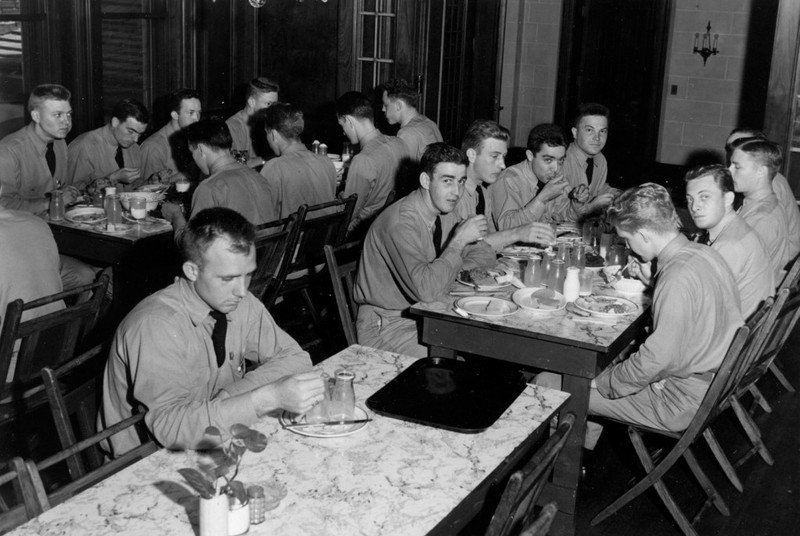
326 423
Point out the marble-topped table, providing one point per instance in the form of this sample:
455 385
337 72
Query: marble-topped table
576 347
391 477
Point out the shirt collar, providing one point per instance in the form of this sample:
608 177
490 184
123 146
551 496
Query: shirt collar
39 143
418 200
669 251
108 137
197 309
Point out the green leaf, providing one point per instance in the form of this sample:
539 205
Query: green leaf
237 488
199 482
240 431
213 430
256 442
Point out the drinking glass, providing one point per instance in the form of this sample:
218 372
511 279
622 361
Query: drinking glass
616 255
606 239
586 278
533 272
547 262
578 256
555 279
589 235
57 205
320 412
138 208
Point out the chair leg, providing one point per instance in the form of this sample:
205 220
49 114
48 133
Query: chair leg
722 459
759 398
780 377
705 483
312 309
752 431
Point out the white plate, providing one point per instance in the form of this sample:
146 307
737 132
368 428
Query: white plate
149 220
325 430
498 286
153 188
119 228
528 300
593 304
487 306
521 251
86 215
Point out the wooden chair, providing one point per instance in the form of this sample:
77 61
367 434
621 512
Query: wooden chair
519 497
541 526
78 397
44 500
721 386
274 242
20 478
325 224
46 341
792 280
342 263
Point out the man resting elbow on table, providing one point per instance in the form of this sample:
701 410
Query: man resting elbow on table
696 313
170 356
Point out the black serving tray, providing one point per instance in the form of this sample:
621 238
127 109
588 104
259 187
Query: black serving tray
445 393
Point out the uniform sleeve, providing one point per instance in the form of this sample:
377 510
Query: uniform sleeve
154 159
203 198
11 180
510 208
360 180
660 353
164 381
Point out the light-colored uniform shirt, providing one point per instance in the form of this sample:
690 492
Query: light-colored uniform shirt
303 178
372 175
29 265
747 258
162 357
467 205
242 189
157 152
24 174
418 134
515 188
789 206
240 132
575 165
762 213
695 316
92 155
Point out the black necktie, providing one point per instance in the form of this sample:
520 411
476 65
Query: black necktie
437 236
50 156
481 208
118 157
589 169
703 238
218 335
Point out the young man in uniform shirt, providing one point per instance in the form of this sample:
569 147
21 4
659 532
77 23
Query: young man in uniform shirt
486 144
695 311
709 196
407 256
302 176
754 163
400 106
261 93
181 352
165 152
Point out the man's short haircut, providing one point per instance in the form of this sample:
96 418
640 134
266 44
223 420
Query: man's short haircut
286 119
45 92
648 206
720 174
763 151
131 108
212 223
356 104
181 95
397 88
546 134
748 133
260 85
590 108
481 130
211 132
438 153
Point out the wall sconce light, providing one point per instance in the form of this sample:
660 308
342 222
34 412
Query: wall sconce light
707 48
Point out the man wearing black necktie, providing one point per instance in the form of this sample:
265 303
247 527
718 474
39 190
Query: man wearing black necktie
182 352
110 154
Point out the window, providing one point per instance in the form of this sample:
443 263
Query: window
374 42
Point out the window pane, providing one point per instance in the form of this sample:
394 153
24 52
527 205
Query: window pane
11 89
367 36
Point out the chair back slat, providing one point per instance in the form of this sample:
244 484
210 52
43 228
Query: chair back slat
48 340
342 264
516 506
23 484
325 224
792 277
275 242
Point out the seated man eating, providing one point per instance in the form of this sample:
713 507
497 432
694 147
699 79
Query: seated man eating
181 352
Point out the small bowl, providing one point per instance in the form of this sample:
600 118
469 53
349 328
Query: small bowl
629 286
152 199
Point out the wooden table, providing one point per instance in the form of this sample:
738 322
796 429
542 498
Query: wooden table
391 477
144 257
577 349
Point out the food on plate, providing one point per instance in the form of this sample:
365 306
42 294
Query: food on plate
545 299
594 260
606 304
87 218
477 276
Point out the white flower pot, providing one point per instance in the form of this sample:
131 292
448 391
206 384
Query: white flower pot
214 516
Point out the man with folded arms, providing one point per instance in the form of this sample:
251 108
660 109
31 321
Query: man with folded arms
486 145
261 93
536 189
754 163
164 153
110 154
407 256
695 316
229 183
181 353
373 171
709 196
780 186
33 163
302 176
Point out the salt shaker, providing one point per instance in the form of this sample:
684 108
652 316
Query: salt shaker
258 504
343 398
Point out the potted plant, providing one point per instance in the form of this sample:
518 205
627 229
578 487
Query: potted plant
217 485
